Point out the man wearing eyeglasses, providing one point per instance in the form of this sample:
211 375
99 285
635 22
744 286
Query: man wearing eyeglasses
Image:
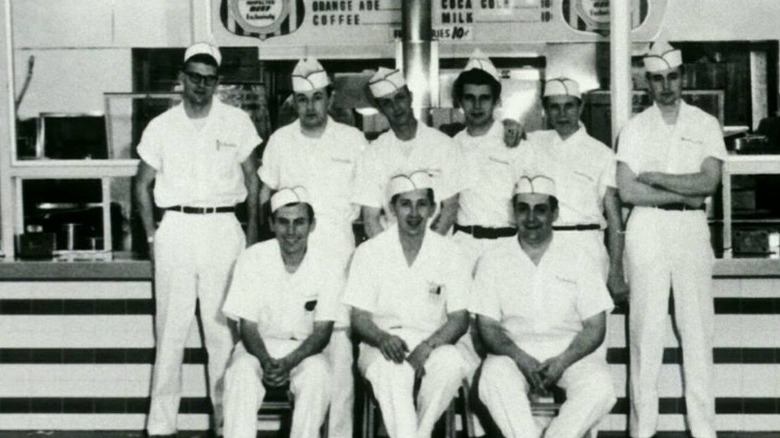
199 155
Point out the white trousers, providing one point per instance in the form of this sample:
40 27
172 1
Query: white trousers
590 396
194 257
393 386
342 379
244 392
670 249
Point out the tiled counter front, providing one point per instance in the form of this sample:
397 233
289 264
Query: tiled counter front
76 352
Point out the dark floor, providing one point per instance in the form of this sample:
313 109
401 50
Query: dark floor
135 434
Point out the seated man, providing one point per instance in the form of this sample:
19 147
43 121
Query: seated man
286 300
541 310
408 291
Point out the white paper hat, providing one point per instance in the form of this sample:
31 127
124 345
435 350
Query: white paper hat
309 75
562 86
662 56
203 48
540 184
480 61
386 81
289 195
406 182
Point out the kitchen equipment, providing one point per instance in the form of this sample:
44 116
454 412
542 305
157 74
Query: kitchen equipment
753 144
72 237
36 245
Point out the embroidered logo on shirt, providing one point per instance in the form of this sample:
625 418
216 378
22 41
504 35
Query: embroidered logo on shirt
492 158
584 175
692 140
341 160
225 145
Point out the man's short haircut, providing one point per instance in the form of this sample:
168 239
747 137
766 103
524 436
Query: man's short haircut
428 194
309 210
201 58
553 201
475 77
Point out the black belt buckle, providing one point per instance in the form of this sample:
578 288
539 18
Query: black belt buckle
201 210
578 227
679 206
485 232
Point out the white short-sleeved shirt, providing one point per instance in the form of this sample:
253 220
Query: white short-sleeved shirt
199 167
489 179
648 144
582 167
387 156
325 166
415 297
284 305
540 306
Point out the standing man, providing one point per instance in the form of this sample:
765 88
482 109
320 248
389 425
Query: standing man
542 309
584 172
321 154
408 291
407 147
286 297
199 154
669 160
485 206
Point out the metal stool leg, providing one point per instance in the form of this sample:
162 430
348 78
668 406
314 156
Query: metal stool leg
468 419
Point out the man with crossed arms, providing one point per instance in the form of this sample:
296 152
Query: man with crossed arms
408 291
286 296
669 160
541 309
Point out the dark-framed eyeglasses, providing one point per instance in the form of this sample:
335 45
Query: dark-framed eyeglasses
197 78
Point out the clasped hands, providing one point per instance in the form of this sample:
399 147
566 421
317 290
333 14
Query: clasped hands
276 372
542 376
394 348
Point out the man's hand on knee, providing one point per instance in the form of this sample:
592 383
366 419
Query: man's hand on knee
418 357
393 348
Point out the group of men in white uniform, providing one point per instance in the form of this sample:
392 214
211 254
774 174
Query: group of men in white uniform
474 235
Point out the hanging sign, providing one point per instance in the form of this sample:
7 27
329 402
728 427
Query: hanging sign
344 26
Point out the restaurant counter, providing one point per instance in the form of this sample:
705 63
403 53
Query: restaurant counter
77 348
125 268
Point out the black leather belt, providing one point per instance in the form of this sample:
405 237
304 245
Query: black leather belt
485 232
679 206
201 210
582 227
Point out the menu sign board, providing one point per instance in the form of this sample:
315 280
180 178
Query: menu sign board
341 23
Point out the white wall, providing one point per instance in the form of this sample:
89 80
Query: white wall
82 47
722 20
72 80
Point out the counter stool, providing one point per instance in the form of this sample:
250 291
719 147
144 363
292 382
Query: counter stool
545 408
370 407
281 401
